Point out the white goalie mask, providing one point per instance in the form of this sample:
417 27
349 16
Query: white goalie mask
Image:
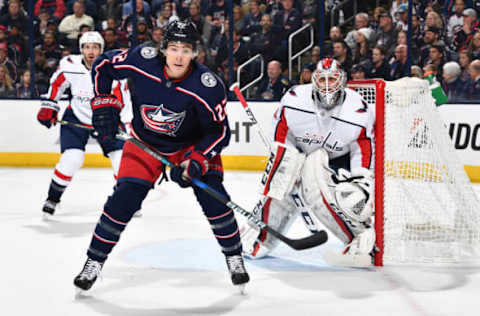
328 83
91 37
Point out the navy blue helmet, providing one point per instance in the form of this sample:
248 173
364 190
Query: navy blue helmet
180 31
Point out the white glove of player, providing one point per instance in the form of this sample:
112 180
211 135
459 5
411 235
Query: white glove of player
253 248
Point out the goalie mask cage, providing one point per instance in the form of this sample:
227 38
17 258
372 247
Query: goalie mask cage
426 211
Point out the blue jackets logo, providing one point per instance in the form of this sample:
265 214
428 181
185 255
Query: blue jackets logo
161 120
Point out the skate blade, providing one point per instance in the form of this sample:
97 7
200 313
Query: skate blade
138 213
47 216
79 293
241 289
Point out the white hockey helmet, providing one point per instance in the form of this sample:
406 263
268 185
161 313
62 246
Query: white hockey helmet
91 37
328 83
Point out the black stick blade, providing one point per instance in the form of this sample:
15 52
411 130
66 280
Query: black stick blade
311 241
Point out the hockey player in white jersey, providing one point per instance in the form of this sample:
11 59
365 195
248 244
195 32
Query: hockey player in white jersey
319 166
74 73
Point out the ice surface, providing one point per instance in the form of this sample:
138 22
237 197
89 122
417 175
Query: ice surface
167 262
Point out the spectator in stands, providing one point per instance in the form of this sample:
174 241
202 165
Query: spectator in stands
474 46
362 52
127 22
375 22
128 9
238 23
266 40
6 83
143 32
241 51
216 14
310 12
43 71
474 70
5 61
122 36
52 50
14 15
381 68
437 57
288 20
434 19
462 37
55 8
464 59
335 34
70 25
431 37
203 26
165 16
18 43
416 71
402 39
306 74
342 55
358 72
455 89
402 17
91 8
111 9
431 69
399 67
110 39
40 24
455 21
274 85
361 21
417 34
252 19
23 87
157 36
387 33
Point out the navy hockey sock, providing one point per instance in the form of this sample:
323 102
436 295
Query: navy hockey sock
118 211
55 191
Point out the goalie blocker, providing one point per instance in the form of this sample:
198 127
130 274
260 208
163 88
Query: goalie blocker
343 202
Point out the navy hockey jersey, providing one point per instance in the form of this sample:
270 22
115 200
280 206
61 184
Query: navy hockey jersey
168 114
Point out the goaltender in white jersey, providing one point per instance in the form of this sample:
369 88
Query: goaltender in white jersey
319 166
74 73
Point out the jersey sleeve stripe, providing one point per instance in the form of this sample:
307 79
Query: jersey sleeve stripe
218 140
365 145
55 86
146 74
281 129
117 91
199 99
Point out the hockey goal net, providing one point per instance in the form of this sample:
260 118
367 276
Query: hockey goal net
426 210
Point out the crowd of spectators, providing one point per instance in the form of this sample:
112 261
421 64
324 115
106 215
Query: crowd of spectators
445 41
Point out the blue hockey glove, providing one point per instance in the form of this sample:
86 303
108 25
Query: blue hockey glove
106 116
195 166
47 115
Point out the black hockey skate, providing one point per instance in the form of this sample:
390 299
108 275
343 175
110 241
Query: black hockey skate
238 273
49 207
88 276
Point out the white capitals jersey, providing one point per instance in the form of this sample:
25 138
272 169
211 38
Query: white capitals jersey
345 129
73 74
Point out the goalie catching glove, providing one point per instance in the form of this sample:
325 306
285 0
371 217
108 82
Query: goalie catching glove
106 116
47 115
195 166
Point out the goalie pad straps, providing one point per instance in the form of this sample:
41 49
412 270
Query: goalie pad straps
281 171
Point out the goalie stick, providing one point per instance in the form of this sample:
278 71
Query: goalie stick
311 241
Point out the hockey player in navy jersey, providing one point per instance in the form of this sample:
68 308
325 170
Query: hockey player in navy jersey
179 110
74 73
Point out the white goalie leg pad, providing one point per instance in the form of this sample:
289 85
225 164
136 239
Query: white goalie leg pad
115 158
278 214
69 163
282 171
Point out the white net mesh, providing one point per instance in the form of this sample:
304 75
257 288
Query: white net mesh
430 211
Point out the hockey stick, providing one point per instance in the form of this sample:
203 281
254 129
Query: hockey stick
62 122
298 244
311 241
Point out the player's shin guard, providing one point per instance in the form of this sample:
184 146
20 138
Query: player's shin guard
118 211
